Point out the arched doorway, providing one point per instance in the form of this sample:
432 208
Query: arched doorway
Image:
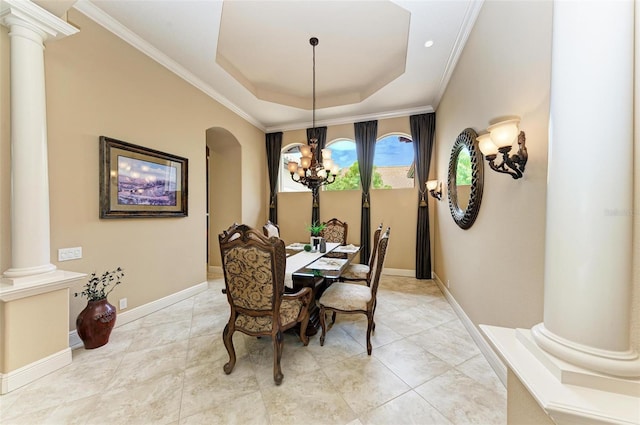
224 183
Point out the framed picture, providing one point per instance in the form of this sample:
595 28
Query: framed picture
141 182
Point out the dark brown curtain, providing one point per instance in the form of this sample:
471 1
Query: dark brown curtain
274 147
320 134
366 134
423 128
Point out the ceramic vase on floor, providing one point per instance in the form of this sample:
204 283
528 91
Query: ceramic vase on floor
95 322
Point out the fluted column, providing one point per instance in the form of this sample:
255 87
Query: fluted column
29 26
588 263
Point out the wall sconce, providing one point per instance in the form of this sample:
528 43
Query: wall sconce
499 139
435 189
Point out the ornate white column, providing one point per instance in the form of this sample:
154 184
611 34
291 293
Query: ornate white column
29 26
588 261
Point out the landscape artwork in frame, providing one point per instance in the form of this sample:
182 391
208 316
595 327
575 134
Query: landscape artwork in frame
140 182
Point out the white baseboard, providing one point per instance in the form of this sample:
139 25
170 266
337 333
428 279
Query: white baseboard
399 272
129 316
494 361
33 371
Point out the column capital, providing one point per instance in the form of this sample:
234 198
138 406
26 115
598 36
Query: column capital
30 15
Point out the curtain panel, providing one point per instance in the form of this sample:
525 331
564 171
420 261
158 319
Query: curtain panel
366 133
422 132
321 134
274 147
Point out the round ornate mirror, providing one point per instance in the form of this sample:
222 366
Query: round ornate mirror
466 178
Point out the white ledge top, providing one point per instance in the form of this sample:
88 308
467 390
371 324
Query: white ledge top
29 286
566 404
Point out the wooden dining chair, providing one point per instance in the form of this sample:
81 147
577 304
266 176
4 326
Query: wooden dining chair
335 231
343 297
362 272
254 271
271 229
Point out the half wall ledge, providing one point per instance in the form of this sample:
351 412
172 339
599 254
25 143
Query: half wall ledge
585 397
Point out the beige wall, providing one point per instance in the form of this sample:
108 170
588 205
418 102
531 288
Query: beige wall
395 208
99 85
45 315
495 268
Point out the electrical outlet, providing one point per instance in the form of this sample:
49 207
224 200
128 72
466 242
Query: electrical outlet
66 254
123 303
447 283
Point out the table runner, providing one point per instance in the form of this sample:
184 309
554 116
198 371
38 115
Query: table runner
301 259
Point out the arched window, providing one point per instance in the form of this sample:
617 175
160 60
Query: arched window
290 153
393 162
343 153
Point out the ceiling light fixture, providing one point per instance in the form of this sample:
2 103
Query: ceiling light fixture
310 172
428 43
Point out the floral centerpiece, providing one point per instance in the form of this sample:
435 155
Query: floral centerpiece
95 322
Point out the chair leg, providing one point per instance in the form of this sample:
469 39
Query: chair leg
369 328
277 355
227 338
323 324
303 329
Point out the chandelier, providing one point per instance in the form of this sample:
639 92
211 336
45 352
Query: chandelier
309 171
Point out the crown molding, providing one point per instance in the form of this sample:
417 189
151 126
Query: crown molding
39 18
473 10
352 119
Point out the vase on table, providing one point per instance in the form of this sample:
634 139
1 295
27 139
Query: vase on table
315 242
95 322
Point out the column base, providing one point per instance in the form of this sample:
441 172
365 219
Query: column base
616 363
12 273
585 397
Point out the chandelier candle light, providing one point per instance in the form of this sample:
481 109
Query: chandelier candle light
310 172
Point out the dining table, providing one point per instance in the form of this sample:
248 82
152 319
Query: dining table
317 270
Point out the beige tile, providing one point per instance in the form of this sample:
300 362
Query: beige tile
144 365
410 362
479 369
364 382
449 342
155 401
167 368
338 345
207 385
73 382
210 348
462 400
357 329
162 334
409 408
246 409
309 399
179 311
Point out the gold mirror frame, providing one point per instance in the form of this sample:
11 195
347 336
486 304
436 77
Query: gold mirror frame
465 218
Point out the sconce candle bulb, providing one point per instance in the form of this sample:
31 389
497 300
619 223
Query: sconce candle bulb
435 188
499 140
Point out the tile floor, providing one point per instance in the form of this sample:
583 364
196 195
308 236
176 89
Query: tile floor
166 368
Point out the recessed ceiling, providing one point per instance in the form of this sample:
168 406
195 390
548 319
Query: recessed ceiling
348 69
254 57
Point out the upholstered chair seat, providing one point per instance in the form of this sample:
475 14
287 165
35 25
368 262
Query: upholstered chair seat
362 272
289 312
344 297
